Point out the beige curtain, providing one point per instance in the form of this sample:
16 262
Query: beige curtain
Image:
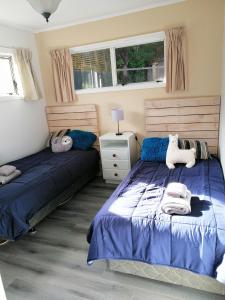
176 61
63 75
29 84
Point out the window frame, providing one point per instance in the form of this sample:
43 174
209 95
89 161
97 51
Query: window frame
120 43
10 52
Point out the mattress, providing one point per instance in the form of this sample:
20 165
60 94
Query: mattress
131 225
45 175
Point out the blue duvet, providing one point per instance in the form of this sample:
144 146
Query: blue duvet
44 176
132 226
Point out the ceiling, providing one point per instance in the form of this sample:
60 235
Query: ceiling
19 13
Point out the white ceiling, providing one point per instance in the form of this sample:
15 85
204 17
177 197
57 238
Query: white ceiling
20 14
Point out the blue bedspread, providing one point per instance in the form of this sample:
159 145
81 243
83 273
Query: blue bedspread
44 176
132 226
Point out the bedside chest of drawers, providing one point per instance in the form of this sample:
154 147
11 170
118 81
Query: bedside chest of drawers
118 154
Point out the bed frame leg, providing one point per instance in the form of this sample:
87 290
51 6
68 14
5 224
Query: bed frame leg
33 231
3 242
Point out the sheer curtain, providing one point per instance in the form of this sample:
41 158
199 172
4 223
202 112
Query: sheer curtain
63 75
29 84
176 61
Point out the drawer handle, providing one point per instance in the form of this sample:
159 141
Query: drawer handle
115 165
114 155
115 174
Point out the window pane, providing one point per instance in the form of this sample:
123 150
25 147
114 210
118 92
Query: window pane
140 63
6 79
92 69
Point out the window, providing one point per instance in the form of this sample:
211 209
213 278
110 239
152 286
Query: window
92 69
140 63
9 81
120 64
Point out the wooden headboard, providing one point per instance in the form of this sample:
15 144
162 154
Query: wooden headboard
83 117
191 118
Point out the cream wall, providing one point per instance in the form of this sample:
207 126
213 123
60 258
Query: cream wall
23 126
203 20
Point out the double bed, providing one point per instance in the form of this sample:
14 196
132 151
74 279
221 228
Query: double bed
48 179
135 236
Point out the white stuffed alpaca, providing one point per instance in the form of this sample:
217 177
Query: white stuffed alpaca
175 155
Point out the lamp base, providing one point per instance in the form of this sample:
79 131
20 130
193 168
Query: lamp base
119 133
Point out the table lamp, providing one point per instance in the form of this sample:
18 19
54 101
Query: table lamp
117 115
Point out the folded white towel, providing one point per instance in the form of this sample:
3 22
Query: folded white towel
7 179
179 206
6 170
176 189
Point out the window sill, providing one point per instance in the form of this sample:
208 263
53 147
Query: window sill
137 86
11 98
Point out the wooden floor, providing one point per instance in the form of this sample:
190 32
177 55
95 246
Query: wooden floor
51 265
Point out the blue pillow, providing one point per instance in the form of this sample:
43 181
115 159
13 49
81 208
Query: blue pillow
82 140
154 149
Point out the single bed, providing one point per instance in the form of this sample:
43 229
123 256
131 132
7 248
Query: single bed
48 179
132 233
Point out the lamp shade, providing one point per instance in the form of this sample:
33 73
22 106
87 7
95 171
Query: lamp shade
42 6
117 114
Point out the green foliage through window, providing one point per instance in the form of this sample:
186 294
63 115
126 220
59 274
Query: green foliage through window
140 63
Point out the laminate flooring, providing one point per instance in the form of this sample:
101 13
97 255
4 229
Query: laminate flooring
51 265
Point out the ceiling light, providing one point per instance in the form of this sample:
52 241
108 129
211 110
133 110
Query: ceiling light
45 7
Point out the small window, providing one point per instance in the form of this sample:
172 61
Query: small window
10 84
121 63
